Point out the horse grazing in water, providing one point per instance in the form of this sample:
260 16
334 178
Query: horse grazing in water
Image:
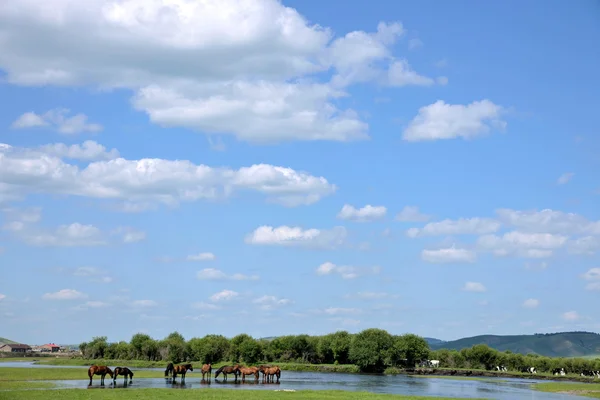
101 370
126 372
228 369
249 371
270 372
178 370
206 369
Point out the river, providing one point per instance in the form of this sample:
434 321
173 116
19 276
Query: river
493 388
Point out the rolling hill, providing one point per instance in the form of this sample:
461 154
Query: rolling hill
6 341
562 344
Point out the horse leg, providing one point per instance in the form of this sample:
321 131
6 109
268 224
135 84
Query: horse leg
91 375
102 379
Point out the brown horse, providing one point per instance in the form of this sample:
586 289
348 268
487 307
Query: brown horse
182 370
101 370
206 369
126 372
249 371
228 369
270 372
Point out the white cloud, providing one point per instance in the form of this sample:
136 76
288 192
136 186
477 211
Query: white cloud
65 294
536 266
297 236
130 235
346 321
224 295
571 316
564 178
95 274
449 255
2 296
548 221
144 303
95 304
531 303
72 235
201 257
341 310
593 277
220 67
412 214
151 180
474 287
271 302
88 150
449 121
345 271
375 295
414 43
364 214
529 245
401 74
584 245
57 119
215 274
205 306
462 226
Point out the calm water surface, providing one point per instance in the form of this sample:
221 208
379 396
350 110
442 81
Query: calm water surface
495 388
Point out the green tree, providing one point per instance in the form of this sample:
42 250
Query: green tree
483 355
340 346
369 349
411 348
176 347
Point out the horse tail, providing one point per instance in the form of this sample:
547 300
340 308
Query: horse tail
217 372
169 369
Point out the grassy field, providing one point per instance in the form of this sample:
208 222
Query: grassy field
580 389
208 394
349 368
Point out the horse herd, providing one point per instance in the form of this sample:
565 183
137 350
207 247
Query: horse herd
555 371
269 373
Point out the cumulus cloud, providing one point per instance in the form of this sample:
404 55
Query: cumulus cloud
414 43
224 295
449 121
152 180
548 221
216 274
364 214
206 256
190 64
130 235
270 302
70 235
571 316
449 255
412 214
565 178
346 271
65 294
205 306
529 245
474 287
531 303
87 151
93 274
584 245
593 277
297 236
462 226
2 296
56 119
375 295
144 303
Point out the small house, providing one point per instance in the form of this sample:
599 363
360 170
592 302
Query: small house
50 347
15 348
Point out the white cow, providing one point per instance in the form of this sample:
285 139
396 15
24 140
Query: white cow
434 363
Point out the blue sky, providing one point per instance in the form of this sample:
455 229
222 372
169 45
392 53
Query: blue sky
268 168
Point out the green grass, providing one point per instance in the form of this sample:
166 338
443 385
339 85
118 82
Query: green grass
349 368
20 385
580 389
51 374
205 394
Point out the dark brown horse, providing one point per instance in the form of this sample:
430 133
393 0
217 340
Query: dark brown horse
270 372
228 369
126 372
206 369
249 371
101 370
178 370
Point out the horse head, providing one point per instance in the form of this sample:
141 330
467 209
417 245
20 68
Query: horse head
109 371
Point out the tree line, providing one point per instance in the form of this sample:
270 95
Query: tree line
372 350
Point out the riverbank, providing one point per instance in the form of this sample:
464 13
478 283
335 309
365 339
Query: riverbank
579 389
207 394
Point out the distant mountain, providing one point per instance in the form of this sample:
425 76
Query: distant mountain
433 341
6 341
562 344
